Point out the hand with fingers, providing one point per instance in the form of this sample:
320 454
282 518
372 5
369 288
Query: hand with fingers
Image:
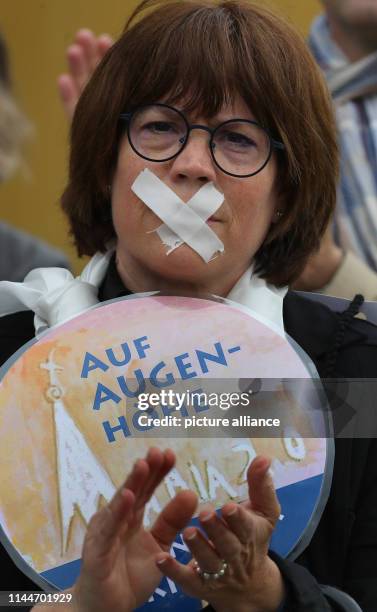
83 57
231 568
119 571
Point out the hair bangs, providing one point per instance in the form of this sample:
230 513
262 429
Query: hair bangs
192 59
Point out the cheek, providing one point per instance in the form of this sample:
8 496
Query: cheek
125 204
125 212
251 205
125 173
254 203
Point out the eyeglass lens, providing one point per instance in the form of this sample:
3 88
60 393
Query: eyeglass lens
238 147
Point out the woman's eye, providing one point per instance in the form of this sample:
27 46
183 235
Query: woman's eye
159 127
238 139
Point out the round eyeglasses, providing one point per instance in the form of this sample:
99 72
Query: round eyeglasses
239 147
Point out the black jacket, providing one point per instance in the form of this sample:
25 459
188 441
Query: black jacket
343 550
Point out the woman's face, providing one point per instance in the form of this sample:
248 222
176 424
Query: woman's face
242 221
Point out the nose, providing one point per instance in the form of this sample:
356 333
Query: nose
194 163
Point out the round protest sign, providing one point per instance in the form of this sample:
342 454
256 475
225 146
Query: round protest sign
207 378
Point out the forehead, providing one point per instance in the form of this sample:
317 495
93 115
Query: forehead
234 108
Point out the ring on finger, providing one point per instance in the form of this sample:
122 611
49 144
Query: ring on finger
211 575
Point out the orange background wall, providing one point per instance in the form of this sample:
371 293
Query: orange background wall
37 33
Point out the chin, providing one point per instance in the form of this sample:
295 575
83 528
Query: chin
184 264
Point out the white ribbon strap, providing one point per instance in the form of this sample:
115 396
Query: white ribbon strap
53 294
265 299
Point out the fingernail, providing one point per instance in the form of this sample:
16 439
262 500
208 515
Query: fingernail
190 536
161 561
206 517
231 512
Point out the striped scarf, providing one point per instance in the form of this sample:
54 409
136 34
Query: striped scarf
353 87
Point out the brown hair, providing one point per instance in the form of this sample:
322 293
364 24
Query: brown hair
205 53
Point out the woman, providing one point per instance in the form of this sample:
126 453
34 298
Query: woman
225 97
19 251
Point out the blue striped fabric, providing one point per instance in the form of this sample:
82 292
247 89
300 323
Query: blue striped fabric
354 90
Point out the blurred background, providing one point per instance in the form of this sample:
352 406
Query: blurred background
37 33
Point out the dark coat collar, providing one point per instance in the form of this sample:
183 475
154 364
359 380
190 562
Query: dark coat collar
312 325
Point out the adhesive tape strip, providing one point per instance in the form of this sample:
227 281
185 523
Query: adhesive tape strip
204 203
179 217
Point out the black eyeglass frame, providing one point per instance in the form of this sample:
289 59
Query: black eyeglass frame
274 144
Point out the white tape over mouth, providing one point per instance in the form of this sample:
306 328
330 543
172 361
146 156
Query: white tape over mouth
185 221
204 203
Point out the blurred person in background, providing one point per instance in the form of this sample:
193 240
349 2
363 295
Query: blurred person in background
344 42
19 252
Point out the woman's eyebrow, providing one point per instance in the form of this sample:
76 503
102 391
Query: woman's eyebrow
221 117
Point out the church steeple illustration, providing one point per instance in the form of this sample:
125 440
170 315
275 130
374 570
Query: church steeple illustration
81 478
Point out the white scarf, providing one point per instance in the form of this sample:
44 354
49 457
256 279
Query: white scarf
55 296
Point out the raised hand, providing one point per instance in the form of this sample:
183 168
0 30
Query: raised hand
118 562
82 58
235 571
